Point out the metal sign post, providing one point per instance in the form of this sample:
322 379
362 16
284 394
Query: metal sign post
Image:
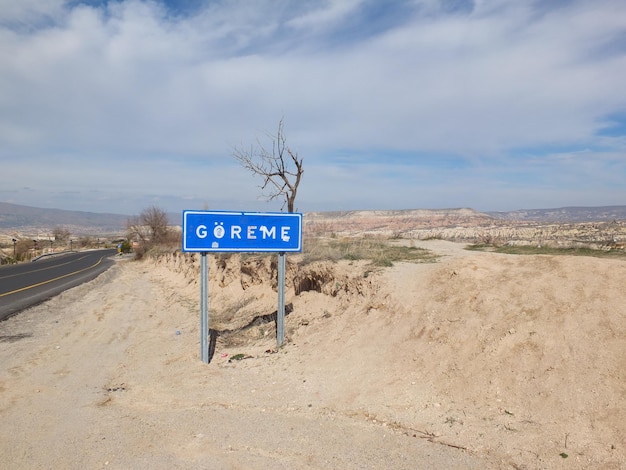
218 231
204 309
280 313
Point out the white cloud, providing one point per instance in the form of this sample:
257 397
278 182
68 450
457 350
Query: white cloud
335 11
28 14
132 85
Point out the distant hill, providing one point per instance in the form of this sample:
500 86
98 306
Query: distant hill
565 214
26 219
33 219
364 221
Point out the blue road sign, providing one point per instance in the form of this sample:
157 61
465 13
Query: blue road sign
219 231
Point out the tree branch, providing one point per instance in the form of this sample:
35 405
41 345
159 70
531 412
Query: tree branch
280 168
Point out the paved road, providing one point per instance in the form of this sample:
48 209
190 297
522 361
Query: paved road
24 285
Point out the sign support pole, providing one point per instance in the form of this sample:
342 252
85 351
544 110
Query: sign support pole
207 232
280 313
204 308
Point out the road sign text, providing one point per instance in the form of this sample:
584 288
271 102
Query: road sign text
241 231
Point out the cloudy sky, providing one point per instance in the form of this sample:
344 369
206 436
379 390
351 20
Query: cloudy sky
115 106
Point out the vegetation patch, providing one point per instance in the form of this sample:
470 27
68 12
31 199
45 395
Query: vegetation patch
379 251
536 250
239 357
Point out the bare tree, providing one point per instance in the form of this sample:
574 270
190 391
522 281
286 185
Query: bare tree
156 219
61 234
150 226
281 168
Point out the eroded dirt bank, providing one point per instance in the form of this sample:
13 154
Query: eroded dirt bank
476 361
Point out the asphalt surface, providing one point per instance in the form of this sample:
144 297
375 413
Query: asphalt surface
27 284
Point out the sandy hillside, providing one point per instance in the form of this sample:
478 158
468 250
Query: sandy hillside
477 361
